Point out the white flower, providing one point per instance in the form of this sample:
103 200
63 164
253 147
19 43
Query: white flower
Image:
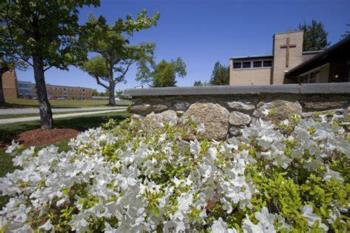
265 224
109 229
212 151
332 174
311 217
46 226
11 148
195 148
200 128
219 226
3 224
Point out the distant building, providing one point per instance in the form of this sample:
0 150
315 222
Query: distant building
13 89
25 89
68 92
290 64
9 83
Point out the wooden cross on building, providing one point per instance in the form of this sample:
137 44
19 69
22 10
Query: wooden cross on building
287 46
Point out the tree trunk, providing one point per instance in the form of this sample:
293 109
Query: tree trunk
2 97
44 104
111 86
111 93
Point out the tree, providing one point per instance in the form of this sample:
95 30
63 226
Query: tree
3 68
198 83
220 75
44 34
315 36
347 32
165 72
114 52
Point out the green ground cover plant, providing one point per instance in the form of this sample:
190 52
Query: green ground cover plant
127 178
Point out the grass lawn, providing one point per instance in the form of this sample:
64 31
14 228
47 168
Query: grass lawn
10 116
10 131
13 103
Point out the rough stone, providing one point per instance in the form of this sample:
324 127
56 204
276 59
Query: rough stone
239 118
153 121
159 108
181 106
179 113
323 105
240 106
347 113
157 120
136 117
141 109
235 131
214 118
328 113
169 117
278 110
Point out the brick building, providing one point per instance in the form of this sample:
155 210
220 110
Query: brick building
14 88
290 64
67 92
9 84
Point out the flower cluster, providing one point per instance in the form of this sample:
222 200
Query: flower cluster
121 178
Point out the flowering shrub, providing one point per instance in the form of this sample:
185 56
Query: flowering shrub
290 177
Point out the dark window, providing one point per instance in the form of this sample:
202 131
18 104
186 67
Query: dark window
257 64
237 65
268 63
246 64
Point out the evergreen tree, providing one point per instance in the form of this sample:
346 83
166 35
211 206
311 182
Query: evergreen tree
220 75
347 32
315 36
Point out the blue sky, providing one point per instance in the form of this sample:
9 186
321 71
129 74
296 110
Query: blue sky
202 32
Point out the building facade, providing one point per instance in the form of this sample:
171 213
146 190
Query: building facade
67 92
14 88
25 89
9 84
290 64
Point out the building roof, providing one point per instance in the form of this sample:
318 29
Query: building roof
252 57
52 85
312 52
340 50
62 86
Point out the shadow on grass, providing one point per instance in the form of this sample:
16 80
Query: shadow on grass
10 131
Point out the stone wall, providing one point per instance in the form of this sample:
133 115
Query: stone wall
224 113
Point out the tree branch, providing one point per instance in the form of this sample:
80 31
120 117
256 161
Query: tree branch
120 77
48 68
100 83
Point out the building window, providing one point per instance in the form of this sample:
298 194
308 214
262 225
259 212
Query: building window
267 63
257 64
237 65
246 64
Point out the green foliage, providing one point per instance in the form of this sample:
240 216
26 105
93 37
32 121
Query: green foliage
115 53
48 29
96 67
200 84
220 75
315 36
165 72
43 34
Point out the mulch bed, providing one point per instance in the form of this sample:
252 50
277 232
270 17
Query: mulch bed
43 137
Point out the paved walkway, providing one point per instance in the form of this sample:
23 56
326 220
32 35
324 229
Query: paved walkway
15 111
37 118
